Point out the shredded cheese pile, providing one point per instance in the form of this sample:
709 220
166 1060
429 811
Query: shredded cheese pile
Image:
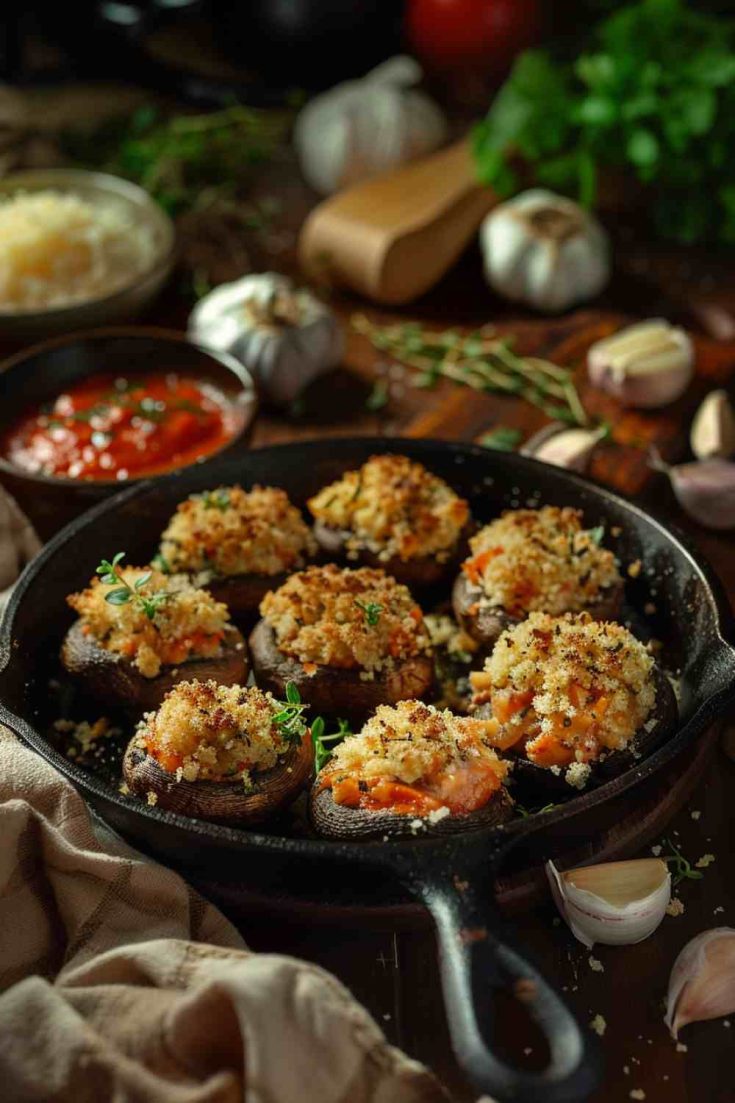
541 559
188 624
392 506
567 690
230 531
345 618
58 249
204 731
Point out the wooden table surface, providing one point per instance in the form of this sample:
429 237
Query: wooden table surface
394 973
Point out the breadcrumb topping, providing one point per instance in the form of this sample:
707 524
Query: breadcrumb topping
204 731
540 559
567 690
346 618
230 531
392 506
448 760
189 623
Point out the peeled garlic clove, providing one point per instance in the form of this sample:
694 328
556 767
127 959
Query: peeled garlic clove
562 447
702 981
615 903
713 428
645 365
705 490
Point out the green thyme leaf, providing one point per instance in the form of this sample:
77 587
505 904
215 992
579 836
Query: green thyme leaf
502 438
371 611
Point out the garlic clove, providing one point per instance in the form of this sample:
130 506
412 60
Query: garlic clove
713 428
563 447
702 981
705 490
646 365
615 903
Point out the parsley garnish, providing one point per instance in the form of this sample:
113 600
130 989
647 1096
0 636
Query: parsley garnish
161 563
322 752
150 604
371 611
651 95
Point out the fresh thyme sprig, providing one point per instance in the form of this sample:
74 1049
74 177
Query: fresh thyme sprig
371 611
526 812
324 744
481 360
290 718
125 593
683 870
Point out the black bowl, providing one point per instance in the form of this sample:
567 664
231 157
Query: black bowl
39 374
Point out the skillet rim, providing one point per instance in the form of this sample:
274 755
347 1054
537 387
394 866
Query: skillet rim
500 835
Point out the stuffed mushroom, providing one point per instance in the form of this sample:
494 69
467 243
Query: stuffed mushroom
140 632
412 770
573 701
238 544
348 640
393 513
534 560
224 753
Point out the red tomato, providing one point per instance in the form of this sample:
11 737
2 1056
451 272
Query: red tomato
447 34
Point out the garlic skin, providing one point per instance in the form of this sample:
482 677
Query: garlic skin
363 127
614 903
702 981
712 435
545 251
283 334
563 447
705 490
645 365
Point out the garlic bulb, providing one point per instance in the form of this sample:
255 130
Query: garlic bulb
283 334
563 447
702 981
616 903
713 429
545 251
705 490
645 365
364 127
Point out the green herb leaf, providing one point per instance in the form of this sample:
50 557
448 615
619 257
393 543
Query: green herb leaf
597 534
118 597
502 438
161 564
378 397
371 611
683 870
324 744
216 499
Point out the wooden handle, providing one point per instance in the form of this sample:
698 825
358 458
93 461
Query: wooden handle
392 237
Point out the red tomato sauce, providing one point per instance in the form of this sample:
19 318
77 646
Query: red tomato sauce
114 428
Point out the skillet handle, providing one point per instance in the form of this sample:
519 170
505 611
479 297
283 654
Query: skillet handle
475 960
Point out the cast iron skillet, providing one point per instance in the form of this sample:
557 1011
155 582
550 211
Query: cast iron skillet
450 876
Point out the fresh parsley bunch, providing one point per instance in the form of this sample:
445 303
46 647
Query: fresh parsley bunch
654 95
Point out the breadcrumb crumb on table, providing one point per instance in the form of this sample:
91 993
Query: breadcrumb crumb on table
675 906
599 1025
704 861
596 965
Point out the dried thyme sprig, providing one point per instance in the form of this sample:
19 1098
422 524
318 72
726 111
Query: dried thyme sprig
481 360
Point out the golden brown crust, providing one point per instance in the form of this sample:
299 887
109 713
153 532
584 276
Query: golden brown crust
394 508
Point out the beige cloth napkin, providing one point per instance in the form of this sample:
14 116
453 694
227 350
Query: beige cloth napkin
119 983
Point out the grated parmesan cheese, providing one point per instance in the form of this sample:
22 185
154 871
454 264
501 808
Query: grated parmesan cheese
57 249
